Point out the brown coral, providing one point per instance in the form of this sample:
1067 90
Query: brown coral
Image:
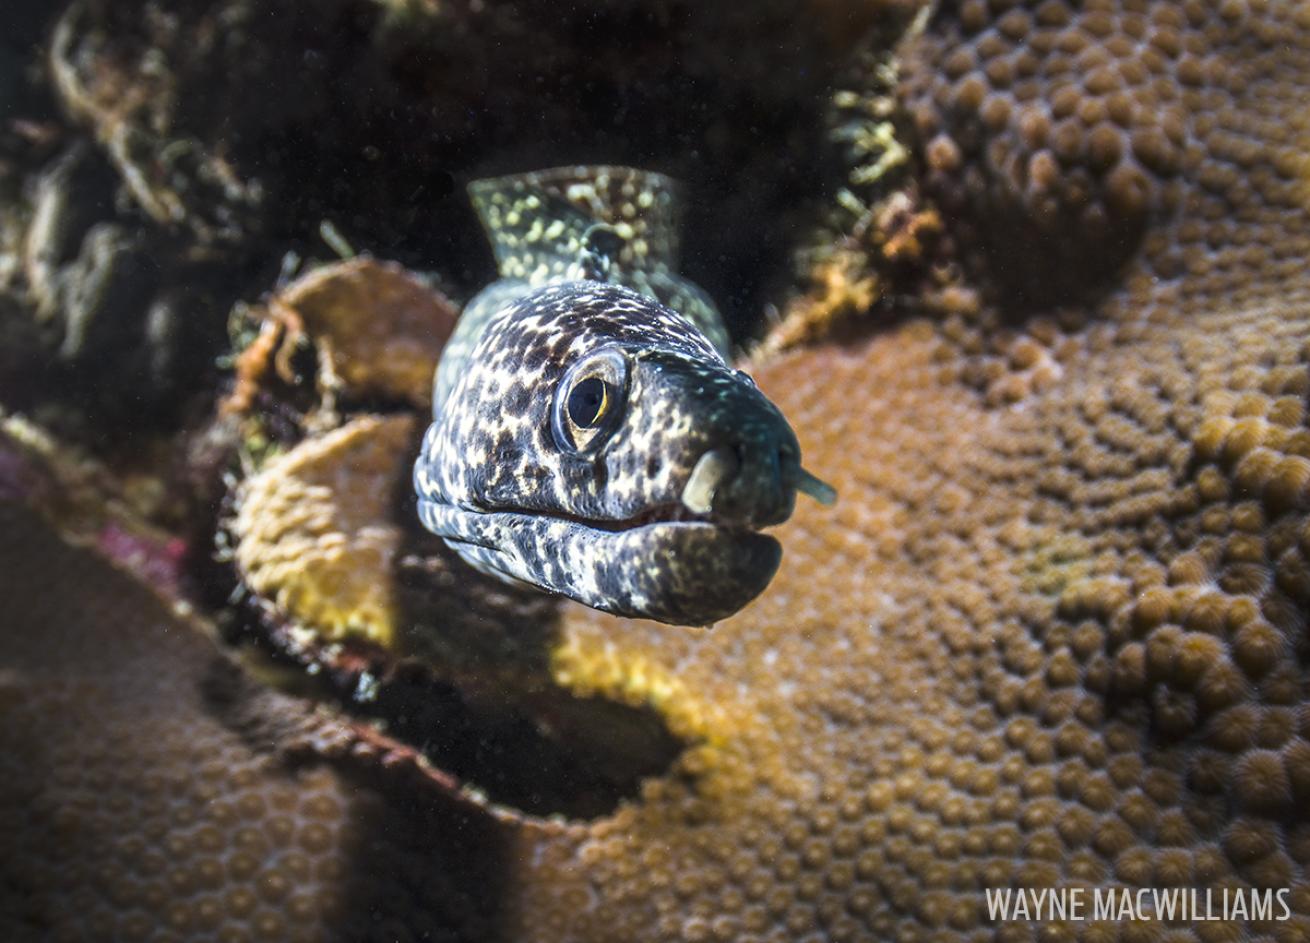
184 803
380 329
1061 131
1046 637
1046 643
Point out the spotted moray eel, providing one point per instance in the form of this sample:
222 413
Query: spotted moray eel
589 438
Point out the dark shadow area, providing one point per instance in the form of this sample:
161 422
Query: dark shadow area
473 690
428 866
375 116
497 729
1034 269
546 754
103 677
468 683
423 862
162 161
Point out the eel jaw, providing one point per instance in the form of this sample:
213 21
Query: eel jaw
682 571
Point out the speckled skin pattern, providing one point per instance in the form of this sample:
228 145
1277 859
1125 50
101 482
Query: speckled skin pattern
1054 632
537 224
604 527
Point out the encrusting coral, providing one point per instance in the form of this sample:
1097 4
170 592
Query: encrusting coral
1055 635
1054 632
346 307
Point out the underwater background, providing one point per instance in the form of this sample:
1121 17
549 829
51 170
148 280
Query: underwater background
1029 280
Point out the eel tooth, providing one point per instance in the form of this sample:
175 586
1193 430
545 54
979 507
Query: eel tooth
712 469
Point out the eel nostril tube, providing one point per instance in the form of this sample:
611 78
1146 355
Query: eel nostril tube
816 488
712 469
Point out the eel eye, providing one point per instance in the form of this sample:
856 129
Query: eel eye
589 402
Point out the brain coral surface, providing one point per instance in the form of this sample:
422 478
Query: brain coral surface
1054 632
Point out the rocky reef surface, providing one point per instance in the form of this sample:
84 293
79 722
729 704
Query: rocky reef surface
1030 280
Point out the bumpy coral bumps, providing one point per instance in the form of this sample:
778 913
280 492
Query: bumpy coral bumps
313 533
1061 131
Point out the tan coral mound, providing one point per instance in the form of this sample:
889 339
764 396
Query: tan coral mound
376 330
380 328
314 532
1015 658
1046 637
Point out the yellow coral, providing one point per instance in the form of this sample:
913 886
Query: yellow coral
842 287
314 532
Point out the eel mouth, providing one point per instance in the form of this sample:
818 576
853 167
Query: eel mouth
678 567
667 563
668 514
661 514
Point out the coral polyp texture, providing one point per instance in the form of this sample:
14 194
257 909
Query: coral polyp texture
1062 131
1053 633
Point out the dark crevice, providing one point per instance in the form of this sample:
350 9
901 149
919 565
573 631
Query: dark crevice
549 754
539 752
476 694
468 684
